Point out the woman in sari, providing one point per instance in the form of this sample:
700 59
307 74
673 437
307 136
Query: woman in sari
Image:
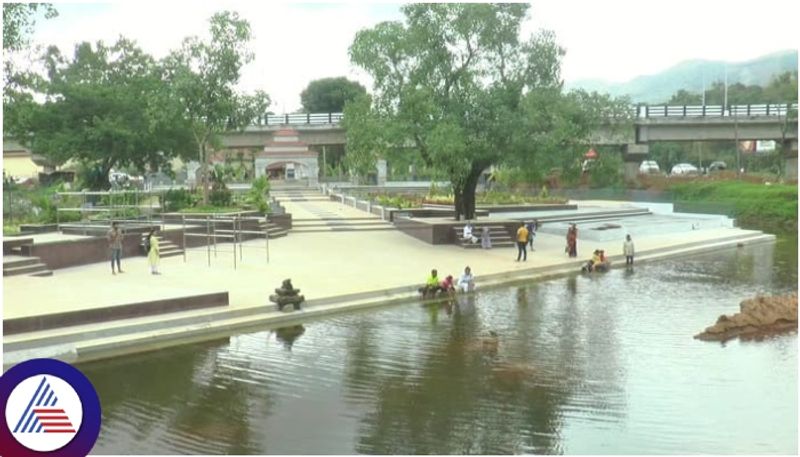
572 241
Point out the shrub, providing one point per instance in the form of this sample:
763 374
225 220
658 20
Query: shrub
178 199
257 195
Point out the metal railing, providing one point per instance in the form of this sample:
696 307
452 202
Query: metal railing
637 111
772 109
212 234
300 119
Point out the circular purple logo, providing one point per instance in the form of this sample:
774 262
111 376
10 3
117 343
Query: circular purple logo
50 408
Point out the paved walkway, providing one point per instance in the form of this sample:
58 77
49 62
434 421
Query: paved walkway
320 264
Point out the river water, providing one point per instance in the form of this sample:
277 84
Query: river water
580 365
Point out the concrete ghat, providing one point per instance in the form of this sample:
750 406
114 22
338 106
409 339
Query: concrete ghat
154 334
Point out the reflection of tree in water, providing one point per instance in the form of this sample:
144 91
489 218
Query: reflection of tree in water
218 412
288 335
154 382
459 398
195 398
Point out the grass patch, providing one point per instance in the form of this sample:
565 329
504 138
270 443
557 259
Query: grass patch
754 205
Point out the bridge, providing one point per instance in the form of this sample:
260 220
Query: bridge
645 124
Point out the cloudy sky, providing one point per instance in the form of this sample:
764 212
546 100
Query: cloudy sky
295 43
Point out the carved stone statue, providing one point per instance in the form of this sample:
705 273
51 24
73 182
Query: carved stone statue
287 295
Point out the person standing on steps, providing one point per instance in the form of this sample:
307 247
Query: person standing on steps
627 249
522 242
153 255
486 238
115 237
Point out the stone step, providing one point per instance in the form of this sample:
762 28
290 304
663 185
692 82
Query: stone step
14 261
495 244
27 269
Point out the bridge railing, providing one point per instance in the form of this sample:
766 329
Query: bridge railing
639 111
299 119
772 109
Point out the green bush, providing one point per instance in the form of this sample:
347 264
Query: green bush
258 193
178 199
220 197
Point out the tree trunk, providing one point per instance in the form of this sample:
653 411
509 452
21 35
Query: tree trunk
458 199
468 191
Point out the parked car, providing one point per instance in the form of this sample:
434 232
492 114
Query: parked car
684 169
717 166
649 167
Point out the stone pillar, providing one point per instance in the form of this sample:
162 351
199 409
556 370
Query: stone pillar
261 166
381 165
313 172
632 155
790 153
192 167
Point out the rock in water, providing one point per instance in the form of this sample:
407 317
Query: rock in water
758 317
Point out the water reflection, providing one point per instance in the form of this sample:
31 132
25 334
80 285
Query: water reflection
583 364
288 335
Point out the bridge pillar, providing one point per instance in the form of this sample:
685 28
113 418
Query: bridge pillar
790 154
381 166
632 155
192 168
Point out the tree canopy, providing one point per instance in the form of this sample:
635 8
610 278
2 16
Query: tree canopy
100 107
457 82
329 95
202 76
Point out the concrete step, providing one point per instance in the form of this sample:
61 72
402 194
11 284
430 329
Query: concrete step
495 244
42 274
27 269
16 261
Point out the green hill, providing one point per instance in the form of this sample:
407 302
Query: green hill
689 75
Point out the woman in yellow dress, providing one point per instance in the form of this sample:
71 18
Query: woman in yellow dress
153 254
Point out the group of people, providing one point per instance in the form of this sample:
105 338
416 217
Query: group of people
115 237
469 236
599 261
434 286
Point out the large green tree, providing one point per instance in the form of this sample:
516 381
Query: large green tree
18 22
101 106
329 95
457 81
202 77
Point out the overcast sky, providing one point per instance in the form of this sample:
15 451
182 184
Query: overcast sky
295 43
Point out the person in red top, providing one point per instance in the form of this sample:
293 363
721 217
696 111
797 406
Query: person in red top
447 285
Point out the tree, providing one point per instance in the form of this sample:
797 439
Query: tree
101 107
202 76
329 95
18 22
457 82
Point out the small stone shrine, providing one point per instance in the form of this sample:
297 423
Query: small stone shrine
287 295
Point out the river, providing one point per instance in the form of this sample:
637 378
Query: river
579 365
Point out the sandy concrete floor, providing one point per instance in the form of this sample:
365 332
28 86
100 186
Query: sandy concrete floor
320 264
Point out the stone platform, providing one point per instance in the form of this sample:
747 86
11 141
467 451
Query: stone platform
337 271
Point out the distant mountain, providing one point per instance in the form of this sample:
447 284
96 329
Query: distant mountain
689 75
